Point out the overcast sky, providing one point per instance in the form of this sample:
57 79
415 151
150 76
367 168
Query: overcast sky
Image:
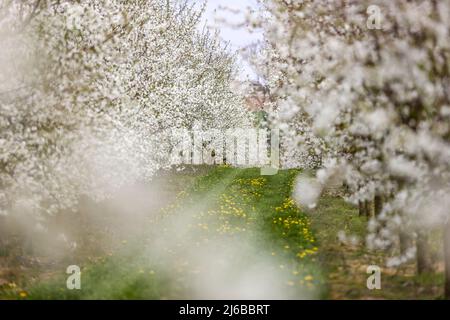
238 37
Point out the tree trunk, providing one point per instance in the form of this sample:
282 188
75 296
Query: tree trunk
424 263
361 208
378 204
367 208
447 259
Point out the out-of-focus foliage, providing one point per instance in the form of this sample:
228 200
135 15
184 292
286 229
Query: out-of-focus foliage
88 87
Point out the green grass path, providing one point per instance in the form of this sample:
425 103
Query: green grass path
243 224
231 233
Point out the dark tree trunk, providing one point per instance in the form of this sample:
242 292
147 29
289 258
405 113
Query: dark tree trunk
424 261
378 204
361 211
447 259
368 208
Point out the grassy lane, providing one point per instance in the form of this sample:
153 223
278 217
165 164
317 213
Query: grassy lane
232 233
228 233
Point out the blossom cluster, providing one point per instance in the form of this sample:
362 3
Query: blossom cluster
367 107
85 87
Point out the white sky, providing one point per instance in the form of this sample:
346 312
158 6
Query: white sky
238 37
